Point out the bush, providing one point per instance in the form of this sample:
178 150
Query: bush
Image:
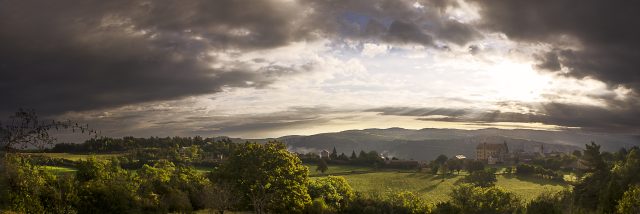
481 179
471 199
630 202
334 190
31 189
446 208
545 203
401 202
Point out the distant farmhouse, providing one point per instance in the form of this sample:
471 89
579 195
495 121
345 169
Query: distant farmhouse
324 154
492 153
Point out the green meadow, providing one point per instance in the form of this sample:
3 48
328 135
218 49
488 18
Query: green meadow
432 188
75 157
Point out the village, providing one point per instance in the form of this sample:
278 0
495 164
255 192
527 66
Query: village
491 154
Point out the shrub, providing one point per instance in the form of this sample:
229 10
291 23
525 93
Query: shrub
481 179
334 190
471 199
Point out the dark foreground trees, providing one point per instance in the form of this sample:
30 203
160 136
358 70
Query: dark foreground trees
268 178
471 199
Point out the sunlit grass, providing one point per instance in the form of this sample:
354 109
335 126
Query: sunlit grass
59 169
433 189
75 157
336 169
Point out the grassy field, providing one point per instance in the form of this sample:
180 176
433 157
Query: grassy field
433 188
75 157
336 170
59 169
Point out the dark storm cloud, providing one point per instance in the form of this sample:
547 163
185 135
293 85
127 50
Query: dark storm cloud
607 32
549 61
79 55
394 21
70 55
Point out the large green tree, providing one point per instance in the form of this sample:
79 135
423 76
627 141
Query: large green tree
334 190
268 177
482 178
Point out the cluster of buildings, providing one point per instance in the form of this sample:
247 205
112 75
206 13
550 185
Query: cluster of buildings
493 153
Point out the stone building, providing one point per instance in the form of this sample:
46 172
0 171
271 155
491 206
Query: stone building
492 153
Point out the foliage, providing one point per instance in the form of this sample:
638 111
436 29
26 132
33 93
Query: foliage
454 164
33 190
319 206
546 203
472 199
322 166
334 154
399 202
441 159
335 191
170 188
473 165
446 208
533 170
481 178
268 177
630 202
106 188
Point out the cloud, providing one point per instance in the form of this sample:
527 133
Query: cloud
81 55
73 55
392 21
620 119
372 50
591 38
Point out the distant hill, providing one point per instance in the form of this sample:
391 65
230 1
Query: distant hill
426 144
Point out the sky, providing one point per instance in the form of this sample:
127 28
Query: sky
269 68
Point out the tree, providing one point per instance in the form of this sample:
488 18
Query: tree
593 158
471 199
577 153
322 166
481 179
334 154
343 157
269 177
630 202
106 188
525 169
26 130
29 188
335 191
433 168
173 188
454 164
474 165
545 203
446 208
353 155
441 159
